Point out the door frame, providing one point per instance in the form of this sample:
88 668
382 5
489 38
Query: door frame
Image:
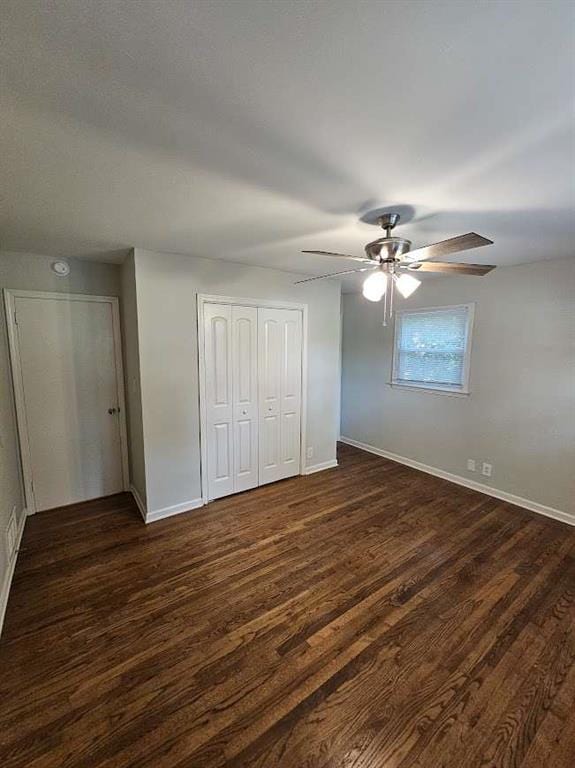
10 295
205 298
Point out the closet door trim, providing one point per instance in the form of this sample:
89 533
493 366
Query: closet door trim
202 299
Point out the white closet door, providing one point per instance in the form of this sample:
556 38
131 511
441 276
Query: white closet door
290 388
279 364
269 380
69 382
245 397
219 398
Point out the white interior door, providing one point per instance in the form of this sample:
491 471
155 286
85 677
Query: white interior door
245 396
279 364
219 399
71 399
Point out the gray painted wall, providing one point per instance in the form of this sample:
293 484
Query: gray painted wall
131 348
32 272
520 415
167 285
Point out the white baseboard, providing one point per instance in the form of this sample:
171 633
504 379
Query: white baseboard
519 501
7 582
320 467
139 503
176 509
160 514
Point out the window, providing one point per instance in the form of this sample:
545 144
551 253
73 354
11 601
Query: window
432 348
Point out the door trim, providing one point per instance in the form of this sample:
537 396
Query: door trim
10 295
205 298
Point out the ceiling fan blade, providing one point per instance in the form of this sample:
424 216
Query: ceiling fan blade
341 256
451 268
445 247
336 274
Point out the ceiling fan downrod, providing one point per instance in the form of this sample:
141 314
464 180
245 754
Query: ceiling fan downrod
388 222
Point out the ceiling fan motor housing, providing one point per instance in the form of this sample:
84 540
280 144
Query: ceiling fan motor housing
388 248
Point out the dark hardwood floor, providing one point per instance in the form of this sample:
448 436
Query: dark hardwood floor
369 616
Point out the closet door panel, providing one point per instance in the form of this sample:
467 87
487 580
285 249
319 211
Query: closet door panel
269 381
245 397
279 361
290 441
222 468
219 397
290 389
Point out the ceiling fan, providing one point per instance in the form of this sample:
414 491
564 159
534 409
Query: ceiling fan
392 260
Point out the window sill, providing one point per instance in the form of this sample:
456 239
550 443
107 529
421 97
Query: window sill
434 390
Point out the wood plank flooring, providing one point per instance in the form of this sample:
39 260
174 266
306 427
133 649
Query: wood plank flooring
368 616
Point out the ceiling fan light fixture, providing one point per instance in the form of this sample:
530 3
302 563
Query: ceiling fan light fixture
391 256
375 286
406 284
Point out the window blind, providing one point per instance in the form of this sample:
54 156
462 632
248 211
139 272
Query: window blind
430 347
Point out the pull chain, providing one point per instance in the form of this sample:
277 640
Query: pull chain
388 300
384 323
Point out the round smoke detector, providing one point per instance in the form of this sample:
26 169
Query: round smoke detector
60 268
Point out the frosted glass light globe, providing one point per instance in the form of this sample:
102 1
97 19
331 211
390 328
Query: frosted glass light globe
407 284
375 286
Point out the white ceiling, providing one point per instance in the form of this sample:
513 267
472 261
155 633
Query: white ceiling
250 129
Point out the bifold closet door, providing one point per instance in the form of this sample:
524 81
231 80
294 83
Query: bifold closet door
230 339
219 398
245 396
279 379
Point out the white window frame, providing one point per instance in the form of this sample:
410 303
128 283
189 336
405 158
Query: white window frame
445 389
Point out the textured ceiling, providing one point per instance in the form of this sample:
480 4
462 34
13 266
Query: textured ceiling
250 129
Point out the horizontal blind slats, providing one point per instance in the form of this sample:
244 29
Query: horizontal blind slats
430 346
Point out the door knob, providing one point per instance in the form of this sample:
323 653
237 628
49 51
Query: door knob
111 411
244 413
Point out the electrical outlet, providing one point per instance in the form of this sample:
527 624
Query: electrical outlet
309 453
486 469
471 465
